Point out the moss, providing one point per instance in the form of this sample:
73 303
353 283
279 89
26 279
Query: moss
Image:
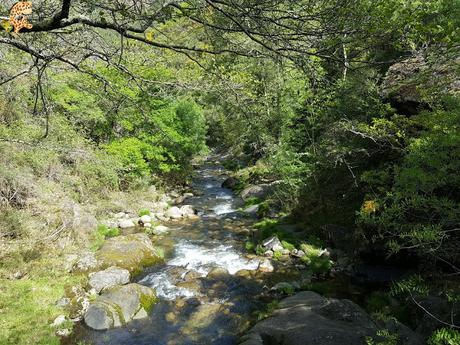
277 255
252 201
249 246
148 301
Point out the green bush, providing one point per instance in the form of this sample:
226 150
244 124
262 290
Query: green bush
287 245
144 212
419 206
445 336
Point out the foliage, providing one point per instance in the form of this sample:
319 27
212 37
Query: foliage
445 336
418 203
143 212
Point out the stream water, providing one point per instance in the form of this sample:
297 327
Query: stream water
194 308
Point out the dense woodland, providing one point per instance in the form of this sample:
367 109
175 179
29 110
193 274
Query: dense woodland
349 108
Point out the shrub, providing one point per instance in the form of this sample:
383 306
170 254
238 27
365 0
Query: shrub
445 336
144 212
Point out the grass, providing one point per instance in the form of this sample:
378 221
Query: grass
28 306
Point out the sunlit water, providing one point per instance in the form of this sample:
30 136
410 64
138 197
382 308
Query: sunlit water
197 310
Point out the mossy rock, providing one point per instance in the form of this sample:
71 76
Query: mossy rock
120 305
132 252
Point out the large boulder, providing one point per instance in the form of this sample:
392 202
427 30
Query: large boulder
132 252
108 278
310 319
120 305
260 191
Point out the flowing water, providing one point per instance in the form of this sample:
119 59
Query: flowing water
194 308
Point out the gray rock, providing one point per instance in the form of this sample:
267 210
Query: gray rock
63 302
174 213
297 253
272 243
266 266
253 209
126 224
310 319
187 210
160 230
132 252
86 262
260 191
217 272
145 219
59 321
119 305
108 278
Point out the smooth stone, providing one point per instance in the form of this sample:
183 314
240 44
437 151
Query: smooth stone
266 266
126 224
272 243
308 318
108 278
174 213
160 230
145 219
119 305
132 252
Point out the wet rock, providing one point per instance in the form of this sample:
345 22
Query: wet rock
119 305
266 266
202 317
182 198
272 243
308 318
243 274
126 224
131 252
108 278
174 213
217 272
191 285
187 210
230 183
192 275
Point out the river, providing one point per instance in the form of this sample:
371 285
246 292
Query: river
194 308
